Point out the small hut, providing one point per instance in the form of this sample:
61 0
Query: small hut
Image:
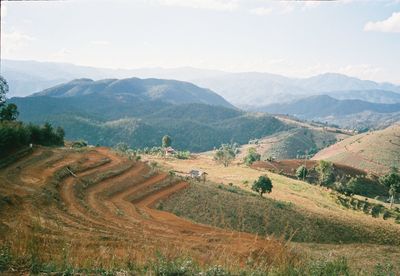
169 151
198 174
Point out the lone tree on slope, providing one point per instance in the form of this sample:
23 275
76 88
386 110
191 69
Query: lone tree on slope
301 172
392 181
225 154
262 185
166 141
252 156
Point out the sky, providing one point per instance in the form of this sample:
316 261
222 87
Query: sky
292 38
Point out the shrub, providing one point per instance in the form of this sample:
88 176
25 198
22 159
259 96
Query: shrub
262 185
301 172
225 154
325 173
252 156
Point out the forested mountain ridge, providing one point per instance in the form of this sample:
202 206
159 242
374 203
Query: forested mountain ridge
170 91
139 112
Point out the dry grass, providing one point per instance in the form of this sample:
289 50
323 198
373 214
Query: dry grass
374 152
110 222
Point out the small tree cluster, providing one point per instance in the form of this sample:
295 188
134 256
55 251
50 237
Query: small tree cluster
14 135
252 156
225 154
325 173
392 181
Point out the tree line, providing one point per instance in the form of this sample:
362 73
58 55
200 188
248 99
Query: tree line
15 135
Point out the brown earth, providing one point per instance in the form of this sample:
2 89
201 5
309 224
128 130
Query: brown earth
103 212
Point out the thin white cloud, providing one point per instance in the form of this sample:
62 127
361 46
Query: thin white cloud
261 11
100 42
15 41
389 25
61 55
366 71
218 5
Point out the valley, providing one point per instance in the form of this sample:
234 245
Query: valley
200 138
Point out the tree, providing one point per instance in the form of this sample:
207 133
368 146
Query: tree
355 186
60 132
166 141
225 154
325 172
262 185
252 156
9 112
3 90
301 172
392 181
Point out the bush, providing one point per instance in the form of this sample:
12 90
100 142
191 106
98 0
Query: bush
262 185
325 173
225 154
79 144
252 156
301 172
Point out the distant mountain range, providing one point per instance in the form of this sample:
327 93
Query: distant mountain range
324 106
345 113
139 112
247 89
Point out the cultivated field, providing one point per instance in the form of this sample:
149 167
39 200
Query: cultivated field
374 152
94 208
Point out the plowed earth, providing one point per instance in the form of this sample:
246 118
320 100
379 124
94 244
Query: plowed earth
100 206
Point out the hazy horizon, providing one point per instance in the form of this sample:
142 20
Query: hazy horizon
294 39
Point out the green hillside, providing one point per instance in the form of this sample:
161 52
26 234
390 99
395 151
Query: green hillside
108 121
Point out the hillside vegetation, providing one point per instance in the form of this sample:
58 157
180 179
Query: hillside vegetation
297 142
374 151
171 91
230 207
107 118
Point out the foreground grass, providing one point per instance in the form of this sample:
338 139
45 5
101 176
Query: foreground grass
162 265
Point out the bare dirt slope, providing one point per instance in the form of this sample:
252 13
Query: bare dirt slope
103 210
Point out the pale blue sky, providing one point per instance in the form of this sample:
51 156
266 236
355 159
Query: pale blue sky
358 38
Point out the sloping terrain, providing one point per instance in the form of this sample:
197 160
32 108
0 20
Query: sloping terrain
302 139
374 151
93 204
294 208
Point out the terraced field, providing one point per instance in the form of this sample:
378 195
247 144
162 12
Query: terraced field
95 206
